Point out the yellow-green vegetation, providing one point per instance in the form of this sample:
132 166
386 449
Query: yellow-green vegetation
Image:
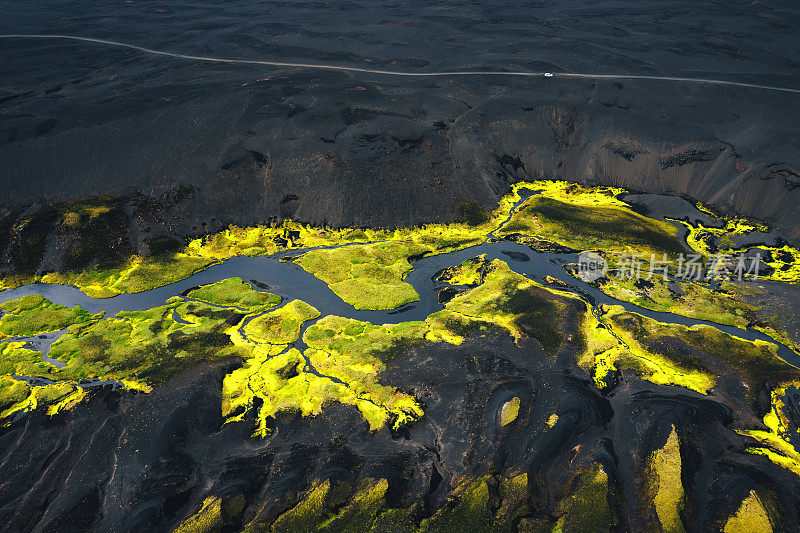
33 315
509 411
664 486
306 514
508 300
366 276
281 326
606 351
17 396
363 510
342 508
785 263
144 273
235 292
136 348
147 347
139 274
332 506
468 510
586 508
513 492
468 272
784 260
750 518
590 219
708 240
342 362
670 354
207 520
774 443
699 302
13 281
346 355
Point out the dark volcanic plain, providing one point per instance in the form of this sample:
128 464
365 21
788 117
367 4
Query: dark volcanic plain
187 148
219 144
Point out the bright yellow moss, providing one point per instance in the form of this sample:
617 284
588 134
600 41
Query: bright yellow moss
235 292
774 442
361 511
307 514
34 314
586 509
509 411
139 274
666 485
467 273
586 218
750 518
785 262
349 355
366 276
281 326
470 511
514 495
67 402
14 281
206 520
610 347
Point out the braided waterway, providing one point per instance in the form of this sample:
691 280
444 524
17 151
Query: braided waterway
291 282
275 274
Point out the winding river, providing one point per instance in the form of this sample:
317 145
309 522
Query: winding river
292 282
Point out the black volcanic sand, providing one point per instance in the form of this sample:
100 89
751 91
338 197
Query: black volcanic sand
142 462
185 148
252 143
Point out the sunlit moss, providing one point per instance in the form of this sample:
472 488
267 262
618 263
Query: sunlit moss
508 300
774 443
724 306
750 518
366 276
139 274
784 260
586 508
338 507
699 302
590 218
361 511
467 510
307 514
656 351
281 326
347 355
206 520
513 491
785 263
15 280
136 348
235 292
509 411
467 273
147 346
18 396
283 384
33 315
664 484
